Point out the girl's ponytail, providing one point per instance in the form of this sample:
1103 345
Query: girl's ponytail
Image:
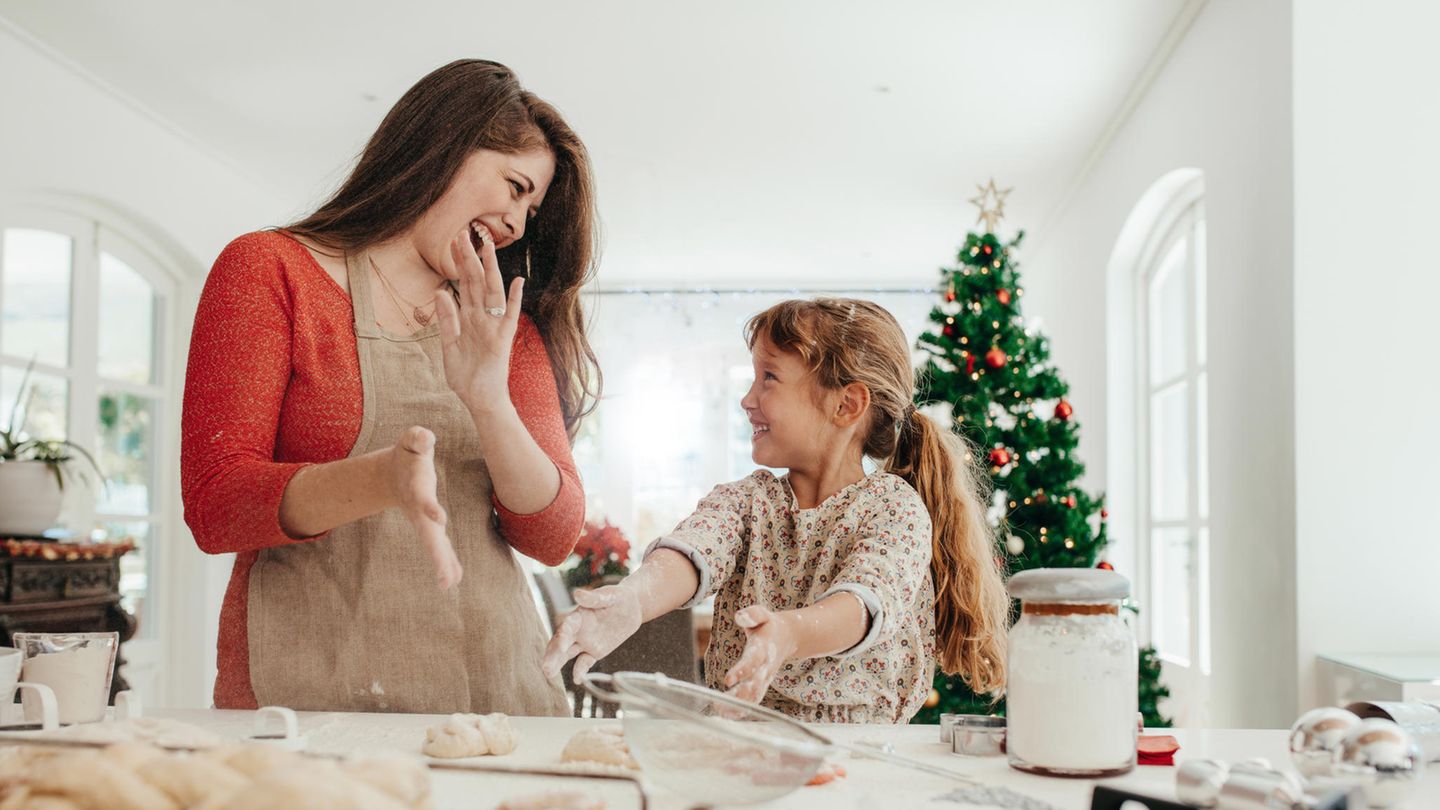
971 605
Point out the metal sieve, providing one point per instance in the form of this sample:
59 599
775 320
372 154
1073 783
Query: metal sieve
715 749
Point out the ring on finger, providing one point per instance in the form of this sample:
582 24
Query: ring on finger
498 312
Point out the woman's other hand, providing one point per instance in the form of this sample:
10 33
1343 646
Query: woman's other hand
412 483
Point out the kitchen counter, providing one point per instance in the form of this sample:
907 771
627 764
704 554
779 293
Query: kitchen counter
869 783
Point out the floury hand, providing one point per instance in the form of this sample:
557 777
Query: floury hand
602 620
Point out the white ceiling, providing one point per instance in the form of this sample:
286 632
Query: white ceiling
751 142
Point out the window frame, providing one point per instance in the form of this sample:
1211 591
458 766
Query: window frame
97 228
1184 220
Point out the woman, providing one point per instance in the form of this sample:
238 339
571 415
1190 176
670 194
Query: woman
367 412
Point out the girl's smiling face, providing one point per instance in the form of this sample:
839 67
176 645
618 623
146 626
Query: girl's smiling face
788 411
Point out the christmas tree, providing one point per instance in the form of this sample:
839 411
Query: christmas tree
1003 395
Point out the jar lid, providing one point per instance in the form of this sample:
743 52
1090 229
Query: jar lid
1069 585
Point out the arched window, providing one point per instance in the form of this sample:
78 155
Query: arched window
1158 427
1172 361
92 304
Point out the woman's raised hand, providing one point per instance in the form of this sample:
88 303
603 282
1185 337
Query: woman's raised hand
412 483
476 335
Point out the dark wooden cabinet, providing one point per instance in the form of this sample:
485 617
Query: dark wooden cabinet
54 587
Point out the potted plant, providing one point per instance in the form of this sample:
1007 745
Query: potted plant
599 557
33 471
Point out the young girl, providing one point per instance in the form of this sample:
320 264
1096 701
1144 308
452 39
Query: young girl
833 588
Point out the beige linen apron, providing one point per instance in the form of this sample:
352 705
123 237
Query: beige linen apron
355 621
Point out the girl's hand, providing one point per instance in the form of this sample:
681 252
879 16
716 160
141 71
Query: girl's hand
602 620
770 641
477 334
412 484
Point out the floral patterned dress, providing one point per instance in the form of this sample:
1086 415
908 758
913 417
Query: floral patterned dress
752 544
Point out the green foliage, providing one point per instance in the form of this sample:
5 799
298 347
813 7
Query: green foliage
1152 691
56 454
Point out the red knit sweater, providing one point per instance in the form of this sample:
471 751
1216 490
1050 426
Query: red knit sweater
273 384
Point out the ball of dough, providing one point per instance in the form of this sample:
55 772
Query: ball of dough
499 735
470 735
454 739
605 745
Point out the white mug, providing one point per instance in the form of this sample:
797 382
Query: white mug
11 660
77 666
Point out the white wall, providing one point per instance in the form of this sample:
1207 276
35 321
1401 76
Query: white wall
66 139
1221 105
1367 199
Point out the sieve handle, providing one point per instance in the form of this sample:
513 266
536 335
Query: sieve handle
885 754
592 683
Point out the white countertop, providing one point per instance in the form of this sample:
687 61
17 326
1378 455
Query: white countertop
869 784
1403 667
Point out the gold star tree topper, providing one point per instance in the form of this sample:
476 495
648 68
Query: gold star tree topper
991 202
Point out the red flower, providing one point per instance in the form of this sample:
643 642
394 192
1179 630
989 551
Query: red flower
601 542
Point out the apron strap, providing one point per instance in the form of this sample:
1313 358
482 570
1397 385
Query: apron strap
357 268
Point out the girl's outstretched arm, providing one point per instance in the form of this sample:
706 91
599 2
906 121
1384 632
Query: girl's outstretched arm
680 569
605 617
834 624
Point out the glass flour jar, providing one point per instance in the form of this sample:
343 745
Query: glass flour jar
1072 697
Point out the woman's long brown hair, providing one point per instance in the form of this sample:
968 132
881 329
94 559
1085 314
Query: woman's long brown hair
415 154
844 341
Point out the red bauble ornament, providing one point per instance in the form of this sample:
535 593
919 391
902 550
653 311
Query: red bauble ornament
1064 410
969 363
949 330
1070 501
949 295
1105 566
996 358
1003 296
999 457
1104 514
987 250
